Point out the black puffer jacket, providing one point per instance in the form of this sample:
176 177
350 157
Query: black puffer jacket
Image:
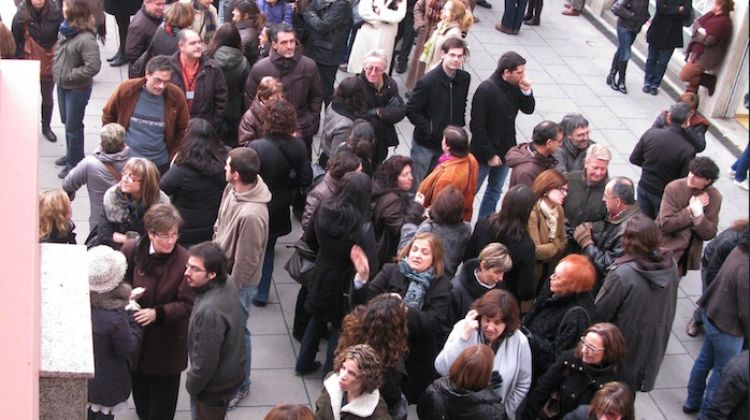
665 30
465 289
211 97
283 166
549 335
444 400
385 108
43 25
607 237
576 381
116 337
328 24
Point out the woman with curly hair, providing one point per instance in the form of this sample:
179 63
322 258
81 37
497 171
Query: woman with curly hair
55 224
349 103
353 387
381 324
196 181
391 206
284 166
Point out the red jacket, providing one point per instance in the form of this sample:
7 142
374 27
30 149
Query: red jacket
461 173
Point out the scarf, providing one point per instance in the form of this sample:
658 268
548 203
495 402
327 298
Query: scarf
550 213
418 284
445 157
68 31
209 24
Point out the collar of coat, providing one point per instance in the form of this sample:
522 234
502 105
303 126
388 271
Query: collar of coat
363 406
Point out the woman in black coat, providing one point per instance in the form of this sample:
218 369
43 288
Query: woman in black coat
196 181
41 25
578 374
561 312
177 17
663 36
419 278
467 393
339 225
509 227
122 10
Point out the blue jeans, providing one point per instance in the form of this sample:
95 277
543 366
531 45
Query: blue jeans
648 203
309 346
656 65
718 349
625 39
496 178
266 274
72 103
513 15
741 166
246 298
423 160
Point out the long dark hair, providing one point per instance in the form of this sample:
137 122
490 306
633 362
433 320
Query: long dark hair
202 148
352 200
510 223
226 36
350 93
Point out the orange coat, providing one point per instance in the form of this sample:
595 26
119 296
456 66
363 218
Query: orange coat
461 173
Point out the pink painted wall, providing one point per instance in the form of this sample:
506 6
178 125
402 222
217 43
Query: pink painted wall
19 259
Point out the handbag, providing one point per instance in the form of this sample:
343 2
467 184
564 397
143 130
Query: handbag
138 69
619 6
301 265
34 51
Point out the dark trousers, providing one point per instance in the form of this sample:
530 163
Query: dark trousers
327 77
406 34
123 22
155 396
648 202
47 87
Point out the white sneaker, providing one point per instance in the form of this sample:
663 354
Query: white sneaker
744 184
731 172
237 398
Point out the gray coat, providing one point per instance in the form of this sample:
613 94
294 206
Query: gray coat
570 157
215 341
92 172
640 297
336 125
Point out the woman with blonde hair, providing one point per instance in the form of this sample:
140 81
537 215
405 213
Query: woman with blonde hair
126 203
177 17
55 224
250 128
455 21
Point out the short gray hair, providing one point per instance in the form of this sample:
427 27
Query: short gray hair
377 53
679 112
112 138
598 151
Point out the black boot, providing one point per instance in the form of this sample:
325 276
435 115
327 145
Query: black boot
529 11
709 82
621 69
536 11
612 73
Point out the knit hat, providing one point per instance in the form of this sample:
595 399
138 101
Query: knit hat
106 268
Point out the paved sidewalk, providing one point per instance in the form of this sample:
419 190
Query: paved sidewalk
567 62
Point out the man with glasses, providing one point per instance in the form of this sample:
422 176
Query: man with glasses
528 160
493 123
214 334
241 230
153 112
438 100
602 241
298 74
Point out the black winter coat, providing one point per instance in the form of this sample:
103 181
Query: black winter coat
333 234
607 237
584 202
465 289
665 30
444 400
385 108
122 7
116 337
197 195
165 42
140 33
663 155
576 381
518 280
423 325
211 97
43 25
327 25
284 166
550 337
436 102
493 117
716 251
634 14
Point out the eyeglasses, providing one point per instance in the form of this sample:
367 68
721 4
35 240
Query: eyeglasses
563 190
130 178
166 236
194 268
589 347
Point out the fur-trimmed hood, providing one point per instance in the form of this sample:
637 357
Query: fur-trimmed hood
114 299
116 204
364 406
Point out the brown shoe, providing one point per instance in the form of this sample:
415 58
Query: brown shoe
571 12
502 28
693 328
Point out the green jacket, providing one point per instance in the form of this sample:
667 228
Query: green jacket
76 61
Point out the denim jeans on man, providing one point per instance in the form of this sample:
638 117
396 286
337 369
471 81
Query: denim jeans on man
656 65
247 294
718 349
495 179
266 274
648 203
741 166
423 160
72 103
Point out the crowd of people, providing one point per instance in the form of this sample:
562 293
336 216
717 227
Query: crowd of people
559 304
